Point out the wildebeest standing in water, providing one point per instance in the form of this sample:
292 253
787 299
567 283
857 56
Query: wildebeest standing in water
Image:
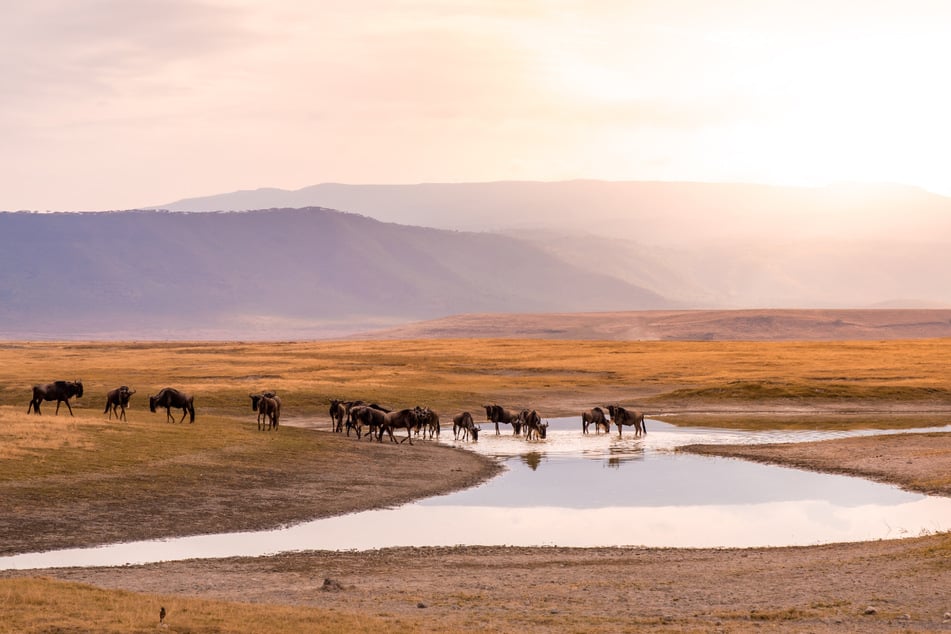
463 422
268 407
532 422
631 418
59 391
498 414
595 416
117 400
168 398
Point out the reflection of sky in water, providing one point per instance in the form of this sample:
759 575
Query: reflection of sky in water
595 490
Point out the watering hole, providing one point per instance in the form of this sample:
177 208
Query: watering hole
586 491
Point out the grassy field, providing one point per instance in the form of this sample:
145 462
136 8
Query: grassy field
557 377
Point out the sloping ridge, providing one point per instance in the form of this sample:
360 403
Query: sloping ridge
688 325
278 272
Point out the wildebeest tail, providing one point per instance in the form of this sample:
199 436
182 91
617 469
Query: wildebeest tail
191 411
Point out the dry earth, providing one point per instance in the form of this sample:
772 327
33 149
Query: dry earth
884 586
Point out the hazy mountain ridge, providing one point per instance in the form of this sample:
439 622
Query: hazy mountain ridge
704 245
274 273
687 325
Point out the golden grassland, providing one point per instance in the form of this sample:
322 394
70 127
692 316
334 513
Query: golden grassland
557 377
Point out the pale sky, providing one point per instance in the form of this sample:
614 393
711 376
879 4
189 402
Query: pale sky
113 104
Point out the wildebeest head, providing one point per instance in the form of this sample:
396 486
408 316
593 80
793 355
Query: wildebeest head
543 430
78 388
255 401
475 432
153 401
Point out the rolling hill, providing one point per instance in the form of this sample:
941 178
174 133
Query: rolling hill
702 245
279 273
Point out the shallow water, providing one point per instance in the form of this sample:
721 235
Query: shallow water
594 490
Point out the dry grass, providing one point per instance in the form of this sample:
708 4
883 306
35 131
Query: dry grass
23 436
558 377
43 605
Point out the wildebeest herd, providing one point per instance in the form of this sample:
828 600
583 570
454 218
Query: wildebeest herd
364 419
117 400
369 420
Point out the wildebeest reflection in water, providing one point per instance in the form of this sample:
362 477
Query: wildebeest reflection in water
532 459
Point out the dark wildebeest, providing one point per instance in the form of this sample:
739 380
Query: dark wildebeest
59 391
498 414
339 410
170 397
596 417
463 422
427 419
357 418
117 400
632 418
381 422
268 407
533 424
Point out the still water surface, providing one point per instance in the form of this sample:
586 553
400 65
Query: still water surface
594 490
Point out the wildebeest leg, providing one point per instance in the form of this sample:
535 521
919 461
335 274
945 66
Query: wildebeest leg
497 432
409 437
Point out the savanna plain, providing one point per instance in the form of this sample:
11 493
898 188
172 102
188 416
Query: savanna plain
80 480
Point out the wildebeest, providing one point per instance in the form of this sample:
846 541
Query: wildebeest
339 410
358 417
268 407
59 391
498 414
403 419
595 416
380 422
427 420
463 422
117 400
533 424
168 398
632 418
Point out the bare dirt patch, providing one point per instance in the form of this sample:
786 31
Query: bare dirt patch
208 493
